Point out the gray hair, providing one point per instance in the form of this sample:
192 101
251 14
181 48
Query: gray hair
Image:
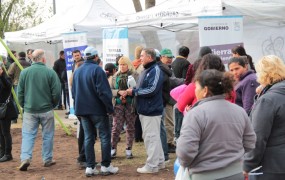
38 55
151 52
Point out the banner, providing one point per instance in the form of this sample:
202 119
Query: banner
115 43
72 41
221 34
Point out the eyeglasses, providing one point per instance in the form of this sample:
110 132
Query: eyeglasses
168 57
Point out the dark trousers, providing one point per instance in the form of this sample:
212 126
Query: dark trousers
64 96
138 129
89 123
81 149
5 137
268 176
66 91
163 138
80 141
178 122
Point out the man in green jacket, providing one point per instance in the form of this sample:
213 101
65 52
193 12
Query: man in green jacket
38 93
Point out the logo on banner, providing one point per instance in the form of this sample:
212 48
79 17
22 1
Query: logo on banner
273 46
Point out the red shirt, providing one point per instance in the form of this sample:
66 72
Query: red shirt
188 97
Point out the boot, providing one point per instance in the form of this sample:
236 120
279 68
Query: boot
6 158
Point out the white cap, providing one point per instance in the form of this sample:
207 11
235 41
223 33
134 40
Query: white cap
90 51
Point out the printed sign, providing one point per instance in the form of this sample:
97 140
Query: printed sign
115 43
221 34
72 41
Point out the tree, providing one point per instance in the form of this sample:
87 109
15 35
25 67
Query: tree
5 12
150 37
18 15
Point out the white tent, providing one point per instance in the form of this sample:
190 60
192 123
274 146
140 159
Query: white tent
92 14
172 15
175 22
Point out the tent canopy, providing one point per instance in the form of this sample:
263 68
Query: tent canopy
91 15
171 15
175 22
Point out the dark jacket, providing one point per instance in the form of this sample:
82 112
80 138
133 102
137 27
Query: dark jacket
14 71
149 91
5 92
180 67
166 83
91 90
245 90
60 66
268 119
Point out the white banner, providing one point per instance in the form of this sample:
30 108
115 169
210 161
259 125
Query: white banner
115 43
221 34
72 41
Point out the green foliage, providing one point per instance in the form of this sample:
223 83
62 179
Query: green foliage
21 14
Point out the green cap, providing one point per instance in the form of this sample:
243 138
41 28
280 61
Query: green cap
166 52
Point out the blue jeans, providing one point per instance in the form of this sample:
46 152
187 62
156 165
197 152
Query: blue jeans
31 122
102 124
163 137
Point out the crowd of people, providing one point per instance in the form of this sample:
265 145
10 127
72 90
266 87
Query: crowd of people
221 125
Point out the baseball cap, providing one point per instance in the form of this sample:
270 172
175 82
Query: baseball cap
90 51
166 52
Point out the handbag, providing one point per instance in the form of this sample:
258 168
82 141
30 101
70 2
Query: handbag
183 174
3 108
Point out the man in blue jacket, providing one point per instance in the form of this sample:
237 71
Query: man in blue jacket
150 108
93 102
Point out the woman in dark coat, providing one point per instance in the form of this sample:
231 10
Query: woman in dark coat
5 123
268 119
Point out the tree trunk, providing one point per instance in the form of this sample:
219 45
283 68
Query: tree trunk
150 37
149 3
4 16
137 5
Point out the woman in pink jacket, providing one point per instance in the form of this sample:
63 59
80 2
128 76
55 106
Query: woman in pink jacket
188 98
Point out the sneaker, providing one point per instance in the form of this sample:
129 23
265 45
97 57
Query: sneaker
145 170
129 154
91 172
6 158
49 163
113 153
109 170
24 165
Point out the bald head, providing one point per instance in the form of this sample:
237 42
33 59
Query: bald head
39 55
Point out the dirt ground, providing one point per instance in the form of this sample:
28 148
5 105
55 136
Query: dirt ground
65 154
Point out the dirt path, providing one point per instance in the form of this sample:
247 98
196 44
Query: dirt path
65 154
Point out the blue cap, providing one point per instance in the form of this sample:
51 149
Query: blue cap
90 51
